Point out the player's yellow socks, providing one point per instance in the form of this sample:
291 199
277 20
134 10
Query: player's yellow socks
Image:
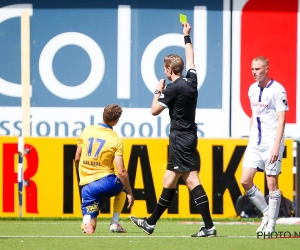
119 202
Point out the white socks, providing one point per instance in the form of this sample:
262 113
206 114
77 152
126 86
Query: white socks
86 219
257 198
115 217
274 205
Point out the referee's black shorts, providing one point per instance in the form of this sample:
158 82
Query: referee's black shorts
182 151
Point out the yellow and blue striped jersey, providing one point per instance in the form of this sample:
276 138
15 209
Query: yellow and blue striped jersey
99 144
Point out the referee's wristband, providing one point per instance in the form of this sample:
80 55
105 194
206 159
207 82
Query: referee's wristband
187 39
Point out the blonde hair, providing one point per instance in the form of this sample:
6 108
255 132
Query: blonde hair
175 62
263 59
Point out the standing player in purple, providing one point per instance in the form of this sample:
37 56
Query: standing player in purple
268 100
181 98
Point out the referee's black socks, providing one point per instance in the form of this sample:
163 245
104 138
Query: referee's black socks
163 203
202 204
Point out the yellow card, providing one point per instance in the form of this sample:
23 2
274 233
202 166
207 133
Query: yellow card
183 18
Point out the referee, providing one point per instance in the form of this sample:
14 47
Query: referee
180 97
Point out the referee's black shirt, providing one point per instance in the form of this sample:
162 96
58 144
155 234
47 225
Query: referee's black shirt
181 99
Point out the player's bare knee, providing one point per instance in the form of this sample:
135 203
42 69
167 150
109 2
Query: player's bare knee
167 183
247 184
272 183
272 187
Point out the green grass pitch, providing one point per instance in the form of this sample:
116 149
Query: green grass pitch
56 234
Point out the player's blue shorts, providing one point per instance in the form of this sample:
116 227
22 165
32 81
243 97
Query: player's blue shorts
92 193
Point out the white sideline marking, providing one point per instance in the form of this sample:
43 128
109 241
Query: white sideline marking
121 236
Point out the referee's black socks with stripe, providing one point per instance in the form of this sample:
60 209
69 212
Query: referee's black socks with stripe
202 204
163 203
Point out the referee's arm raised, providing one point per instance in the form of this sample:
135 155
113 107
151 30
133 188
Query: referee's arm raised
189 52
